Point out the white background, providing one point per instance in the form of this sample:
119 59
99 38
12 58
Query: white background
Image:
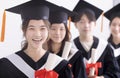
13 34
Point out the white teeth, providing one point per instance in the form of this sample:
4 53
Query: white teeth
37 39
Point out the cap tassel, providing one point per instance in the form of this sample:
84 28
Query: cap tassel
3 27
102 22
69 22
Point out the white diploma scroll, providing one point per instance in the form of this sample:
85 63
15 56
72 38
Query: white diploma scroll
50 62
92 70
66 50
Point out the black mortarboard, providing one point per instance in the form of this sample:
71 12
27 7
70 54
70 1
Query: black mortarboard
36 3
31 10
59 14
58 17
85 5
110 13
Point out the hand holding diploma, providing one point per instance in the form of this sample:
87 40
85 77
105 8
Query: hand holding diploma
93 66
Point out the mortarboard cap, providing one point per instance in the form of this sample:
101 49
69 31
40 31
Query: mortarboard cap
110 13
31 10
85 5
59 14
36 3
58 17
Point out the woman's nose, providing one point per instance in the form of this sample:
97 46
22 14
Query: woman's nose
37 33
57 32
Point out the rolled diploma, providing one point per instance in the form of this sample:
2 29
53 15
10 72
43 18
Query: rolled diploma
50 62
66 49
92 70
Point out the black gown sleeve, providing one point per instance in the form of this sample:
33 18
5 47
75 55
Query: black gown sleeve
118 60
78 67
111 68
8 70
4 70
64 70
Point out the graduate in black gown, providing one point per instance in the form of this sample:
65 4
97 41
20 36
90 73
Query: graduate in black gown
60 38
96 52
32 61
114 16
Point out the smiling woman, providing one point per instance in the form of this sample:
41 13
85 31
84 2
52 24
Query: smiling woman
114 16
33 25
33 61
34 28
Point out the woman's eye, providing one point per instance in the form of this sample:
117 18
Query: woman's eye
62 29
42 28
30 28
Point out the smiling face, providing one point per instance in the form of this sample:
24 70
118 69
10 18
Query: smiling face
36 33
115 27
57 32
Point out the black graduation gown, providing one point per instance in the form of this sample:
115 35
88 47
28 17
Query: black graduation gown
77 64
109 64
78 67
116 47
8 70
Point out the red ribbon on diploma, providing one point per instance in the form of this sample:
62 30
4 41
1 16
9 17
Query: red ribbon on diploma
95 65
45 74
